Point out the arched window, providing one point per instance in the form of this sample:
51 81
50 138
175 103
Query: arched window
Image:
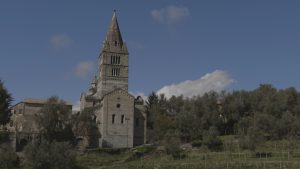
113 119
118 60
115 71
122 118
115 60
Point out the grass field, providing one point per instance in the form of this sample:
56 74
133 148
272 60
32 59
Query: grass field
269 155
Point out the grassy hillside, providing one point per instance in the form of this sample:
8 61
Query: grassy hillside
269 155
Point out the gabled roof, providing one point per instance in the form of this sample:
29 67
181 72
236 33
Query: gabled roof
120 91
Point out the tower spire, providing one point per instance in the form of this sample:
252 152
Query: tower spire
114 36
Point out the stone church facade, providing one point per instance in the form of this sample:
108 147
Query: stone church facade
120 117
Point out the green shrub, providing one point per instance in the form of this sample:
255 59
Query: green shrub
142 150
246 144
254 138
211 139
112 151
213 143
197 143
172 145
55 155
8 158
4 136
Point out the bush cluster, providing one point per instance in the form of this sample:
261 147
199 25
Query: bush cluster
51 155
8 157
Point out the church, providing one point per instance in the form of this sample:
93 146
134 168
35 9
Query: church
119 116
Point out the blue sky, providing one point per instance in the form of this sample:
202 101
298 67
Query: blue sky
51 47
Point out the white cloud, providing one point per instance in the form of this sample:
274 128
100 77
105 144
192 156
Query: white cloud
170 14
84 69
158 15
61 41
76 106
136 94
215 81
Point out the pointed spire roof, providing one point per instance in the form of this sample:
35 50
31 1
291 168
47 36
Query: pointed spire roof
114 36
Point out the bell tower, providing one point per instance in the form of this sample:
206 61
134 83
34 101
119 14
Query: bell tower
119 116
113 61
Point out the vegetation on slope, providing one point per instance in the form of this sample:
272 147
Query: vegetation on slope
239 129
256 116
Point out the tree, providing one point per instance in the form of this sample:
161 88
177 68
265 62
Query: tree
188 126
5 102
151 106
258 115
85 125
236 105
54 120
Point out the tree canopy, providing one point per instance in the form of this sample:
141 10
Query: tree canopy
5 102
55 121
260 114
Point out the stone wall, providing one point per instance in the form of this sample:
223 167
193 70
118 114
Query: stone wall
118 118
